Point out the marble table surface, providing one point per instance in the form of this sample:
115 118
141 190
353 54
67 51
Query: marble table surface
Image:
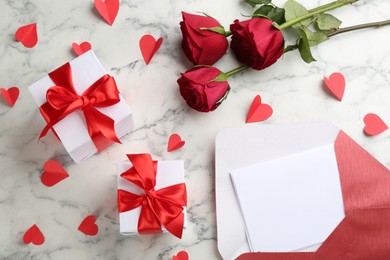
291 87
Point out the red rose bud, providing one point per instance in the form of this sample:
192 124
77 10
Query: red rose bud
202 44
256 42
201 89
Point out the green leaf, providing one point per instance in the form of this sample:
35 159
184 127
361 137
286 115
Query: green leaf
315 38
277 15
218 29
253 3
263 10
304 48
293 9
327 22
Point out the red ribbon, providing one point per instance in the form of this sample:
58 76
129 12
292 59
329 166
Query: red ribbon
63 100
161 207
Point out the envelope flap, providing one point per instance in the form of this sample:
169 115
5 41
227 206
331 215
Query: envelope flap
365 182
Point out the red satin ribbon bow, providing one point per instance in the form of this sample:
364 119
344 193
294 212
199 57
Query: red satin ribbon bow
63 99
161 207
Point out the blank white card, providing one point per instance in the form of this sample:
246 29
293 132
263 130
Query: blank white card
291 202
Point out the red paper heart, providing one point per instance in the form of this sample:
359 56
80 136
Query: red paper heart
258 111
33 235
149 46
374 125
88 226
182 255
336 84
10 95
175 142
27 35
108 9
53 173
82 48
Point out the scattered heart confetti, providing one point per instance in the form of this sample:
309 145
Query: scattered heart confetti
374 125
27 35
336 84
175 142
10 95
53 173
88 226
149 46
82 48
258 111
182 255
108 9
34 235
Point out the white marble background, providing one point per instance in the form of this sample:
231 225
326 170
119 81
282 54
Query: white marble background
291 87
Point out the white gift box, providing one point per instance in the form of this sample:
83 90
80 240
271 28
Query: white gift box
168 173
72 130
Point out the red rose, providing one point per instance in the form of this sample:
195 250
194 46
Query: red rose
202 47
200 90
256 42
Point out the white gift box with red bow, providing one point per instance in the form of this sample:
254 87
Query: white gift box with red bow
72 130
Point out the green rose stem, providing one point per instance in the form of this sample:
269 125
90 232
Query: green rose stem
325 6
346 29
223 76
235 71
318 10
358 27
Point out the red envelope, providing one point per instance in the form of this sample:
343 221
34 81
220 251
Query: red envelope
365 184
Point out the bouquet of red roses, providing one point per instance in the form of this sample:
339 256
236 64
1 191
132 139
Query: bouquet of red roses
257 43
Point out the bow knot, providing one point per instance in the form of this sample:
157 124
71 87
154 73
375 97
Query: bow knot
151 194
161 207
63 100
87 101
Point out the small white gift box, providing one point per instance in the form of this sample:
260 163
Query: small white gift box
168 173
72 130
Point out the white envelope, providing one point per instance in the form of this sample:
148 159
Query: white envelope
72 130
241 147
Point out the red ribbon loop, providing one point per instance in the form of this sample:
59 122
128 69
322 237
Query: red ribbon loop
63 100
161 207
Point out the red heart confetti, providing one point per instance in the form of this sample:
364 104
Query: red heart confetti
10 95
53 173
88 226
34 235
82 48
27 35
108 9
149 46
182 255
175 142
258 111
374 125
336 84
